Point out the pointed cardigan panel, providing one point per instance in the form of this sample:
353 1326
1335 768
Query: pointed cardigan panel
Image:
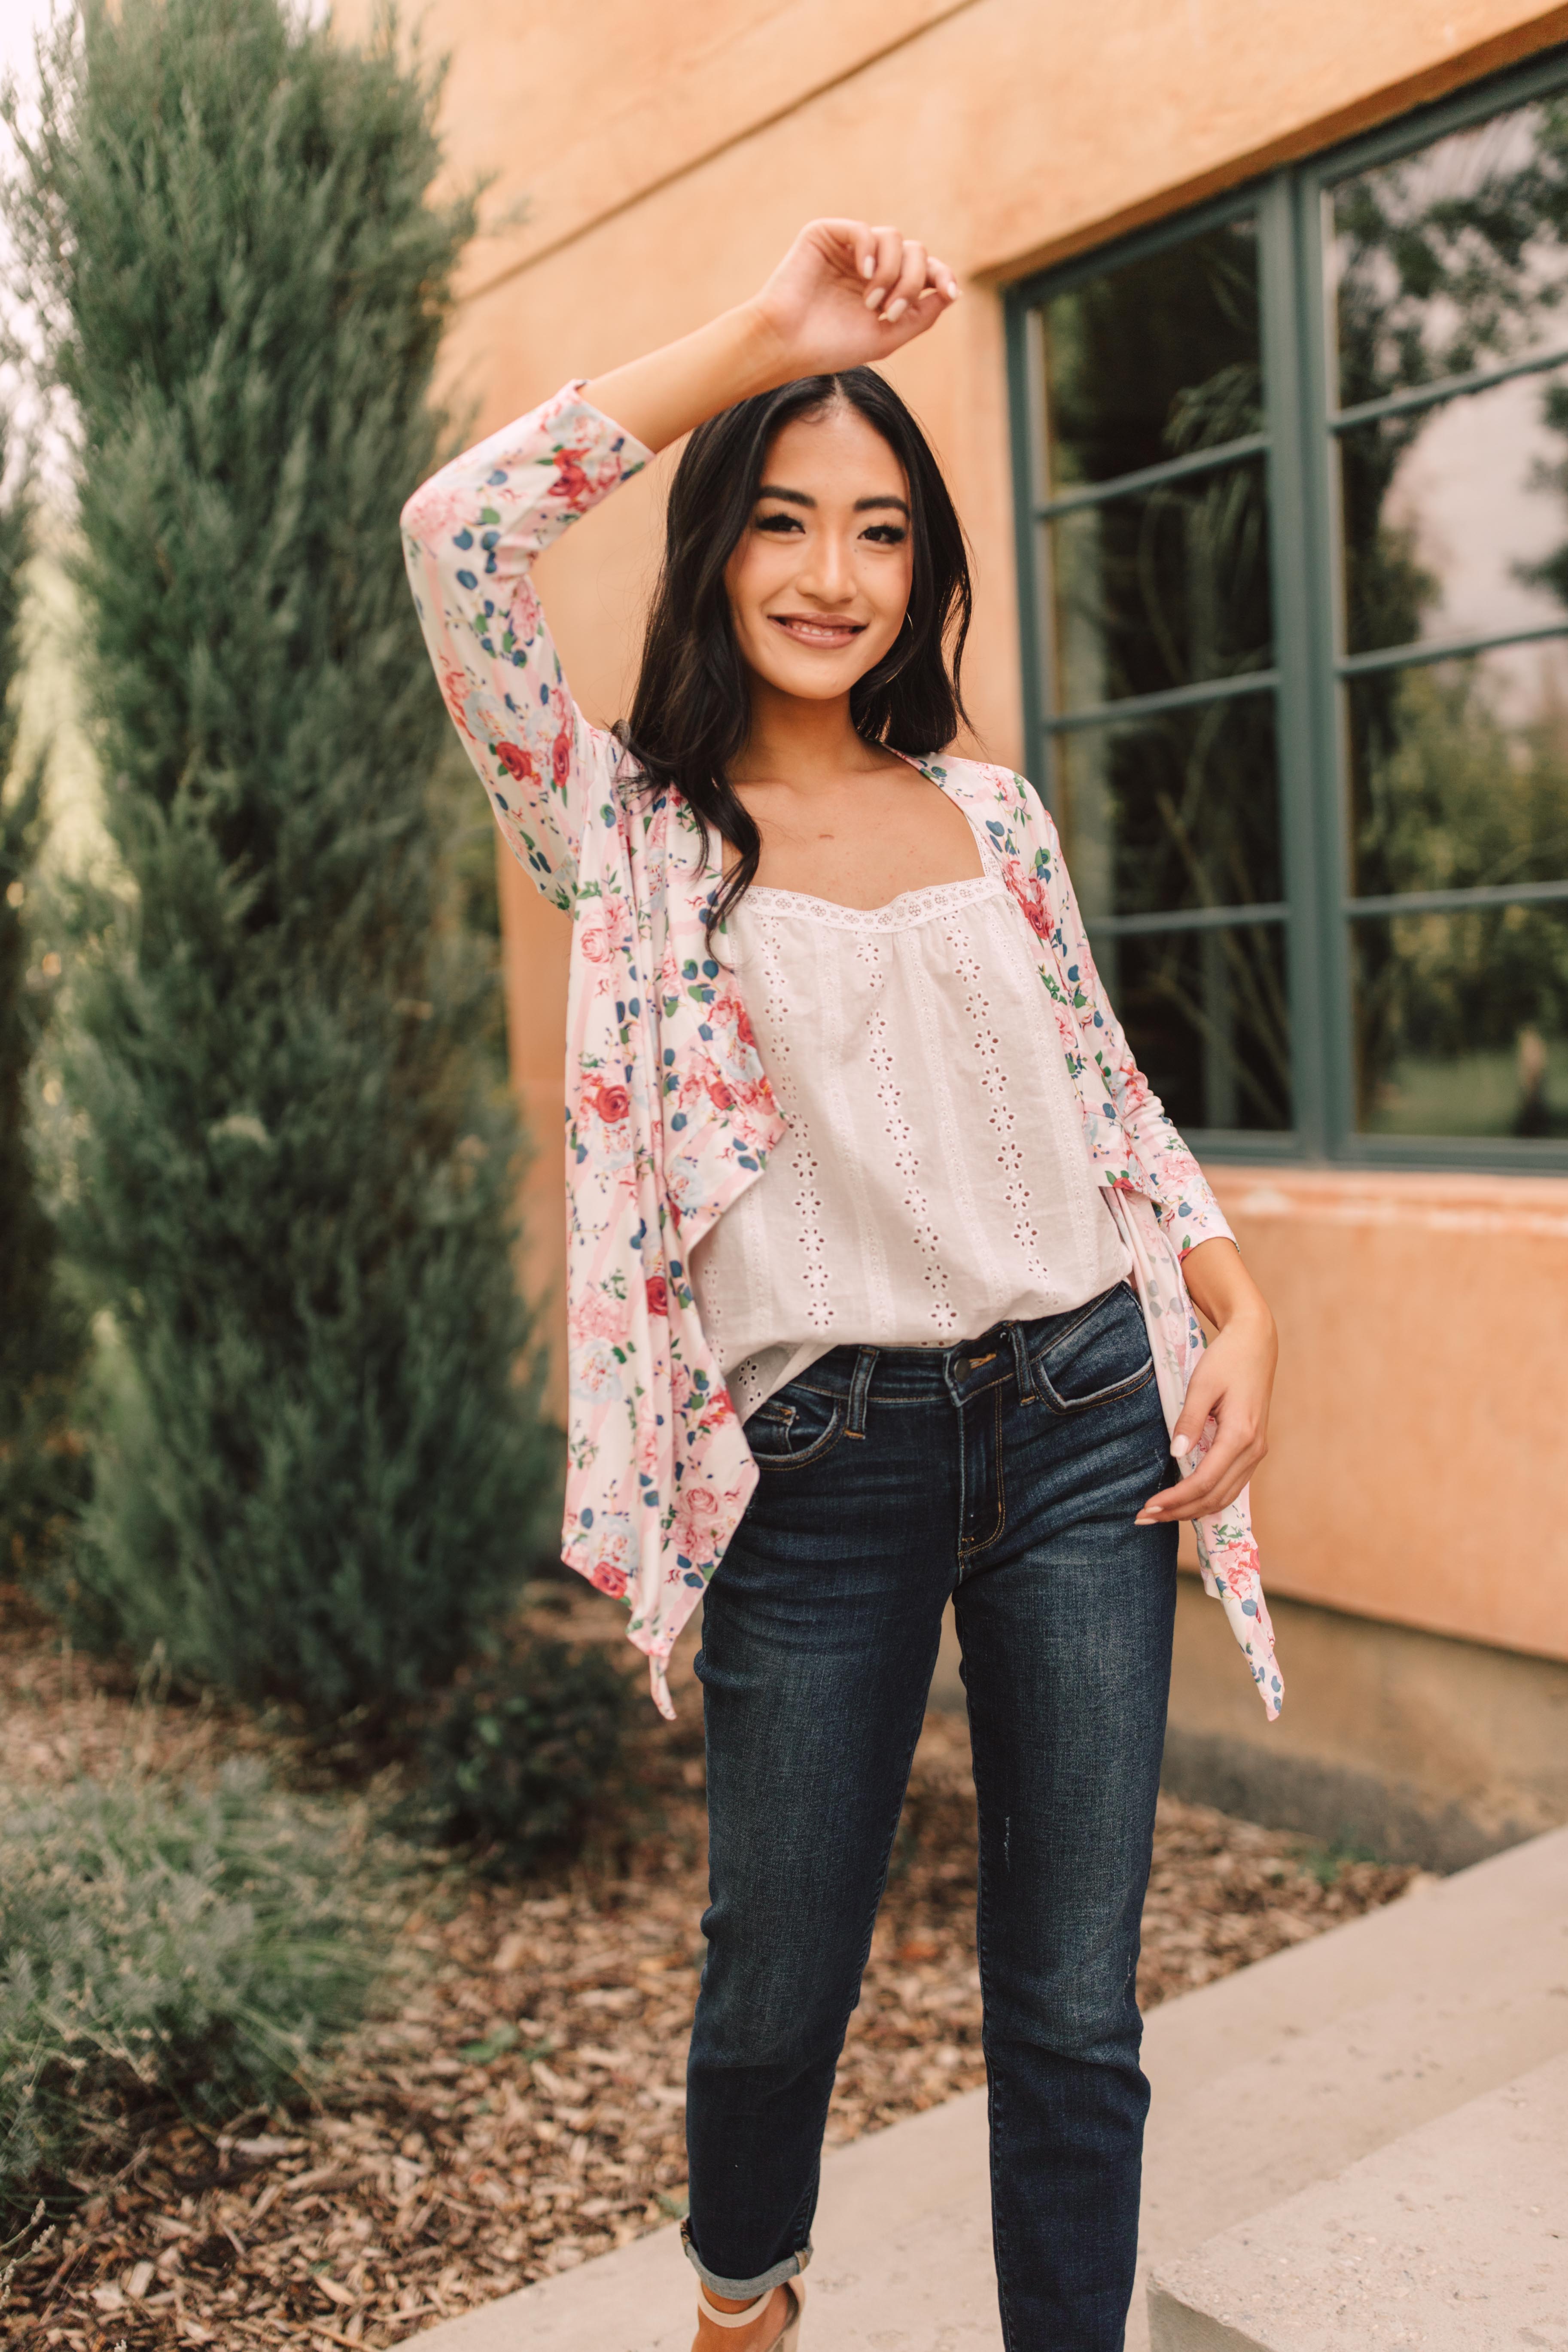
669 1116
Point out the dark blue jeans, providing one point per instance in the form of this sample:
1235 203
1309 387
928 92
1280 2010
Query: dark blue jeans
1004 1473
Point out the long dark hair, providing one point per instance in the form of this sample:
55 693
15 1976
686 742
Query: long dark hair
692 712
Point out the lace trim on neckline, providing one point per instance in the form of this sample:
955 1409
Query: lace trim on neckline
910 907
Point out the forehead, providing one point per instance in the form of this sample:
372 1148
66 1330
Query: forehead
834 454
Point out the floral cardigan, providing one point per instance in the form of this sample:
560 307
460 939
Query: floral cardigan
669 1115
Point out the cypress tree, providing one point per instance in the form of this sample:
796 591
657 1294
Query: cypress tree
41 1333
317 1474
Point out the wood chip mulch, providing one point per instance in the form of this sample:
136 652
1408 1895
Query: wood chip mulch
521 2111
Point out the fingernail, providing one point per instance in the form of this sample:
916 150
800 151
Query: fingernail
1180 1445
874 296
867 265
1146 1519
894 312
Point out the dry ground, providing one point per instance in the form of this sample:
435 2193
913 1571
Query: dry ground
521 2109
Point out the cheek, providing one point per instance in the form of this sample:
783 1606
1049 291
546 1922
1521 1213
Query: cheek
886 587
756 571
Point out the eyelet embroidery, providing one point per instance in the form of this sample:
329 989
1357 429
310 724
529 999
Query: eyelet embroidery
802 1160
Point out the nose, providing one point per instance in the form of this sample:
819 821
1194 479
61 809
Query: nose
828 573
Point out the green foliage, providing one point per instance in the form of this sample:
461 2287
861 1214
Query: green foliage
41 1337
166 1948
1449 260
316 1475
521 1750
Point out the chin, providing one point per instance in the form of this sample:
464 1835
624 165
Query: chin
816 685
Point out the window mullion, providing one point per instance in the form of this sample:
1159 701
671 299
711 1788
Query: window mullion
1288 535
1025 393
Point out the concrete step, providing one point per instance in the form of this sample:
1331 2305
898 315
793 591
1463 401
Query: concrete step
1265 2084
1452 2239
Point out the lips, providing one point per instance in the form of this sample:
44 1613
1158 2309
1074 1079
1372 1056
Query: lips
828 635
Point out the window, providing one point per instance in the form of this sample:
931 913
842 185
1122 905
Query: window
1294 570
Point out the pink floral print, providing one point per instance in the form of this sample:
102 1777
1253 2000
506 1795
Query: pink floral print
670 1113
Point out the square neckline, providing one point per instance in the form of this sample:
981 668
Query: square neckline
908 907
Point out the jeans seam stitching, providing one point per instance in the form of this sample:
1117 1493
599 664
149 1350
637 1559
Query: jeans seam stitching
1070 1407
812 1455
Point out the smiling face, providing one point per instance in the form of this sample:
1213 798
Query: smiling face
819 581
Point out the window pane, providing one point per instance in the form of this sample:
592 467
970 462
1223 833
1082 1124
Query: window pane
1181 810
1462 1022
1453 258
1147 362
1459 772
1454 519
1207 1015
1162 590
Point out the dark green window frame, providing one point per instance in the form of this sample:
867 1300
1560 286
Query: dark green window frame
1310 665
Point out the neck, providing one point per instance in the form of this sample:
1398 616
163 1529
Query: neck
800 743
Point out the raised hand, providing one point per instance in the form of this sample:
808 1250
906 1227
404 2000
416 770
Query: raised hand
846 293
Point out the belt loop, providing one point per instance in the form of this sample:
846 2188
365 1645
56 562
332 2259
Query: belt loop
1027 1392
859 1389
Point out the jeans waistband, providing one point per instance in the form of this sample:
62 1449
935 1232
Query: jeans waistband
911 1375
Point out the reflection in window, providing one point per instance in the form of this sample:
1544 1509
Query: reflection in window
1154 359
1154 559
1163 589
1462 1021
1452 258
1454 528
1453 517
1344 718
1175 810
1209 1013
1459 774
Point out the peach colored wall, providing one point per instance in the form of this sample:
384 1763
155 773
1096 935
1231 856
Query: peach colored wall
647 164
1417 1451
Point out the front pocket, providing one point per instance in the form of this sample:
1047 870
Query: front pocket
1099 1360
794 1429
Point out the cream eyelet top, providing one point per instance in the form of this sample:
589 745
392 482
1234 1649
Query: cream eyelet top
933 1178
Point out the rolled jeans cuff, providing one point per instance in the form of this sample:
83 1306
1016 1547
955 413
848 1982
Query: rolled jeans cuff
743 2289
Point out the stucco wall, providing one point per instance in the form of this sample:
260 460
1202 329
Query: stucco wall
649 162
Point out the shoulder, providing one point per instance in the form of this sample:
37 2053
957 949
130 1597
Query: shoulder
1010 807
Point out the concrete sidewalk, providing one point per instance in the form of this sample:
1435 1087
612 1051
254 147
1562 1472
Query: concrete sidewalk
1454 2238
1266 2083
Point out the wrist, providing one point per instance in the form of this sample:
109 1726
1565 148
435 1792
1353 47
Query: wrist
1246 1315
761 357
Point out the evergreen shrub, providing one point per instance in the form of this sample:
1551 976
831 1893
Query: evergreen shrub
315 1472
167 1948
521 1750
42 1336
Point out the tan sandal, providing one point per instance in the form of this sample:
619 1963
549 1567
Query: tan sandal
790 2338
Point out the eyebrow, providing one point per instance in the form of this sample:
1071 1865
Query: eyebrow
802 498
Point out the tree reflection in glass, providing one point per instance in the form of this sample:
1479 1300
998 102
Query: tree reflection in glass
1160 588
1452 523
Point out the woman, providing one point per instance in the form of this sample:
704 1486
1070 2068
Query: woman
857 1156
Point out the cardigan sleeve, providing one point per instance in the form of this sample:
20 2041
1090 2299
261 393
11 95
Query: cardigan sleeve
469 539
1176 1184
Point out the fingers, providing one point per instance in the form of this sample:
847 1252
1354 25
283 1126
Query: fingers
909 283
888 255
1218 1480
940 281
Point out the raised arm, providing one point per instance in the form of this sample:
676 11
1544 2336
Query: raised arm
844 293
469 539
